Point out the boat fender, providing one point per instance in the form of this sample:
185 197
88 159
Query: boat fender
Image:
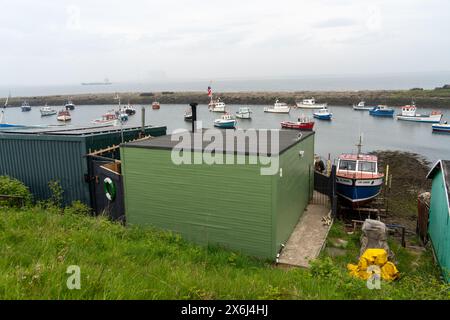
110 189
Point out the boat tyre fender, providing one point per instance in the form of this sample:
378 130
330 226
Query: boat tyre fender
110 189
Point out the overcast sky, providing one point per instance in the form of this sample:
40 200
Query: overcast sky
62 42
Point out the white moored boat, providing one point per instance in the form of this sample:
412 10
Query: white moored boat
310 104
47 111
409 114
217 106
362 106
278 107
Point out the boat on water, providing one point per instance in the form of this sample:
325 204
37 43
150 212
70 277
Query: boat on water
25 107
357 178
278 107
323 114
128 109
409 113
156 105
64 115
361 106
122 116
382 111
226 121
47 111
109 118
69 105
216 106
441 127
303 123
244 113
310 104
188 115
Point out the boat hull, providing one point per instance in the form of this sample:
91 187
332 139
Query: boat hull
441 128
297 125
48 113
278 110
311 106
217 110
188 117
358 191
7 125
427 119
26 109
362 108
63 118
382 113
69 107
322 116
243 115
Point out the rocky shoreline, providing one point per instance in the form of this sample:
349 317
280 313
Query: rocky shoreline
437 98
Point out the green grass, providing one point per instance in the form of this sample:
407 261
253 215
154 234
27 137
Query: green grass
119 262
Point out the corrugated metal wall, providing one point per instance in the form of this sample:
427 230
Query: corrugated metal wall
36 159
228 205
439 225
294 188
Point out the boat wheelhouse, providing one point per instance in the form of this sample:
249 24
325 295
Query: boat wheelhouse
188 115
278 107
409 113
25 106
310 104
357 178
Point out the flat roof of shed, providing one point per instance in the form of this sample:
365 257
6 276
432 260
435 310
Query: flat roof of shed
287 138
70 130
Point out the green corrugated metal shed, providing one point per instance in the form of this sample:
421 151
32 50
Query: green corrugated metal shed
36 156
439 224
232 206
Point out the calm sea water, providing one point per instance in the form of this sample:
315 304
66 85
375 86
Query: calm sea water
332 137
426 80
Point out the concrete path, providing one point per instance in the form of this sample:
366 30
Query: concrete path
307 239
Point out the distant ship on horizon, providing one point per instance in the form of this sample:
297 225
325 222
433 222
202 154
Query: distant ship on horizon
105 82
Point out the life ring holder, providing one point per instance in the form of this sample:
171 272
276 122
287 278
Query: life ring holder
110 189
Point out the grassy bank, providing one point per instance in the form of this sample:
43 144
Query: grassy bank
131 263
438 98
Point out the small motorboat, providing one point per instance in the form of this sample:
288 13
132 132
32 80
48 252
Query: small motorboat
409 113
128 109
244 113
303 123
188 115
25 107
382 111
109 118
278 107
323 114
69 105
47 111
441 127
225 122
64 115
156 105
357 178
361 106
122 116
310 104
217 106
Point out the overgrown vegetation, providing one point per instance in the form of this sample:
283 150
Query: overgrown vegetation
13 187
119 262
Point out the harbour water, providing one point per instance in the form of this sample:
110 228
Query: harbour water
332 137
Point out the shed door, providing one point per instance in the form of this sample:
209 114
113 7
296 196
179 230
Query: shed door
108 191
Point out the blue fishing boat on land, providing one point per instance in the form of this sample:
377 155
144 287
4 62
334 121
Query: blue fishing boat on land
382 111
225 122
357 178
323 114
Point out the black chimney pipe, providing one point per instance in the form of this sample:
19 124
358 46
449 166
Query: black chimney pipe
194 115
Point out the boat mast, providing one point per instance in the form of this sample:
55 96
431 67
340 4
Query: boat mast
359 145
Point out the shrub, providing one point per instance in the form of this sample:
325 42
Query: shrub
13 187
77 207
56 199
